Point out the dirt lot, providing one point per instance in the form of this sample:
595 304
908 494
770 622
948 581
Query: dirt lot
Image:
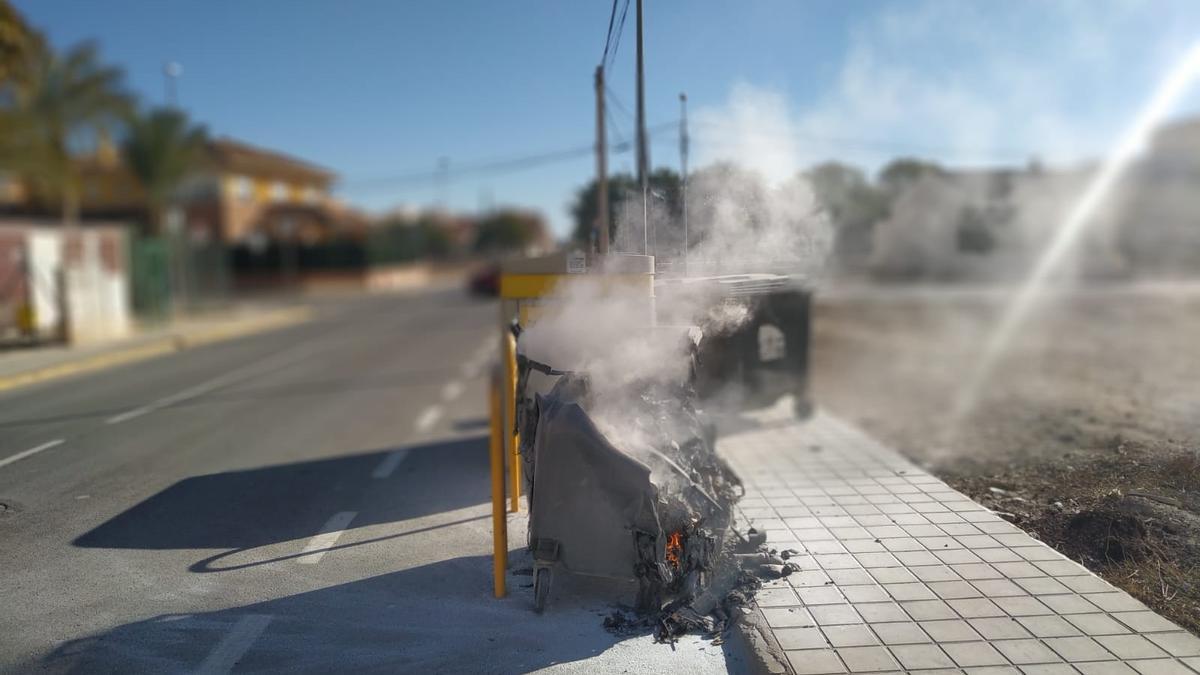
1087 435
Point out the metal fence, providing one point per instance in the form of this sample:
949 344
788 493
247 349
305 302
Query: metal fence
168 274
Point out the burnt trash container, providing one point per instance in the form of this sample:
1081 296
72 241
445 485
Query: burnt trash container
655 513
767 354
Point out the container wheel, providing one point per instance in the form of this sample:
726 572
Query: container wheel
541 587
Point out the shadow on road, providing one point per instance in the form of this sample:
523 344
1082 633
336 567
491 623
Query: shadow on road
247 509
434 618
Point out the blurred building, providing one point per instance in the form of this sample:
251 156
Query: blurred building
63 283
242 193
991 224
1158 232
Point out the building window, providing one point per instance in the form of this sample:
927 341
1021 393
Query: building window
279 191
243 188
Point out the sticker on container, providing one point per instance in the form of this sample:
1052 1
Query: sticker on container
576 263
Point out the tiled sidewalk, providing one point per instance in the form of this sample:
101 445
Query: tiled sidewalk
900 573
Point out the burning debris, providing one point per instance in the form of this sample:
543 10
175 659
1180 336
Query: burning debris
636 493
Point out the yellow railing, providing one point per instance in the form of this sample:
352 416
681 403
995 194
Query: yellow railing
499 519
514 438
521 297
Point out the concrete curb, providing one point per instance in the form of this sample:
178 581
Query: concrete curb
763 654
169 343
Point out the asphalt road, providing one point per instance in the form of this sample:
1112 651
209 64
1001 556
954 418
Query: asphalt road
197 503
314 499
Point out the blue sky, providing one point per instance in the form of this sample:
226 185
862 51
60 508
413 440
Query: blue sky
378 89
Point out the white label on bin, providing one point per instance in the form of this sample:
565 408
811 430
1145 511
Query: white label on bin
576 263
772 345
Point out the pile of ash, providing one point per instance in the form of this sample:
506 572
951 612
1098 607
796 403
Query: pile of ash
738 575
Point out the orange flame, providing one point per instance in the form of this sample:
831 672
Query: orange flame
674 548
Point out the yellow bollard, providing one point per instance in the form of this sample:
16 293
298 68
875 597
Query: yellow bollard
499 519
510 383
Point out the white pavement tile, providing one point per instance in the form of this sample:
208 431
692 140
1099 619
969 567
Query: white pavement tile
914 657
852 577
972 654
975 608
787 617
1078 649
1130 646
879 612
867 659
815 662
800 638
950 630
851 635
1000 628
1022 652
1177 644
900 572
900 633
1159 667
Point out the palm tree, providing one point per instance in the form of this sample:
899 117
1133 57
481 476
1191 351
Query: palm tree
161 148
66 100
17 44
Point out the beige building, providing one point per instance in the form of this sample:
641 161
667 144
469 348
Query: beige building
242 193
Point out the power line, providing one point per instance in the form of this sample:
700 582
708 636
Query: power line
496 166
617 44
612 96
623 145
608 37
614 128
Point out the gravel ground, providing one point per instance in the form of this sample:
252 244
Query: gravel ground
1087 434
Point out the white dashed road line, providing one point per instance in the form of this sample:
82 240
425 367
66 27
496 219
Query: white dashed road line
389 463
428 418
166 401
235 644
285 358
331 531
30 452
452 390
469 370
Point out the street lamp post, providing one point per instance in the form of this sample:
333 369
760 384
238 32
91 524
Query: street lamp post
172 70
683 167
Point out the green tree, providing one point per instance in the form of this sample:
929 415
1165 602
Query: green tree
162 148
854 207
433 233
902 172
584 210
402 238
67 99
665 187
18 44
507 230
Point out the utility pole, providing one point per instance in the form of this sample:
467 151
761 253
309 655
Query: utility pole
441 187
643 160
601 224
683 172
171 72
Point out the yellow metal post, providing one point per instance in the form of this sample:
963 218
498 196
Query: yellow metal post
514 440
499 519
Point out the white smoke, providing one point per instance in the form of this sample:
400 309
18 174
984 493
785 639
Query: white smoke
752 212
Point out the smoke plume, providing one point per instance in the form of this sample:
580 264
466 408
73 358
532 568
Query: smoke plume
749 212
